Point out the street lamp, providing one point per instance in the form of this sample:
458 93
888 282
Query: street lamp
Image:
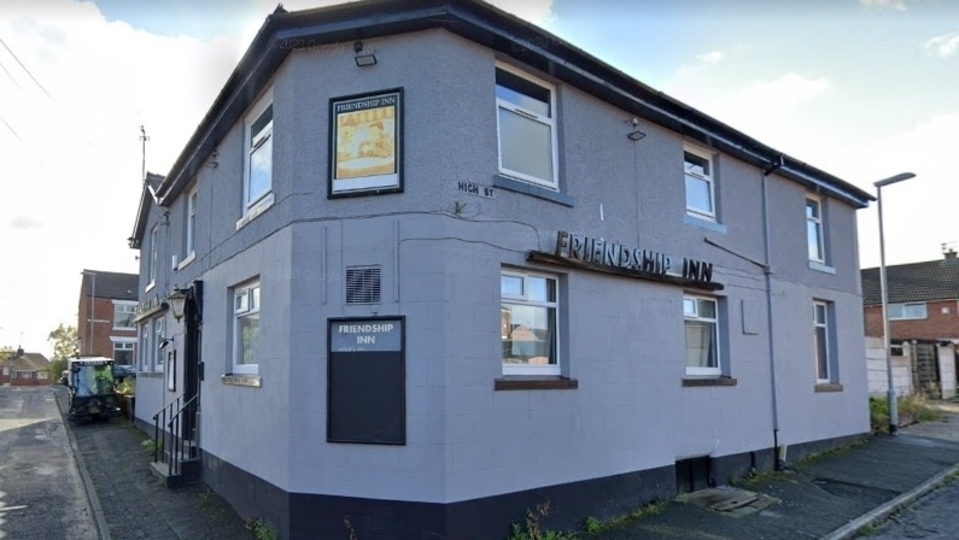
893 405
92 319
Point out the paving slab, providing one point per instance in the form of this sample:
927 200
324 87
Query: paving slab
818 495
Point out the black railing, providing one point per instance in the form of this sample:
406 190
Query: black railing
176 440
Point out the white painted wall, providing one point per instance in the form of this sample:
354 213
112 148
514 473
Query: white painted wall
876 370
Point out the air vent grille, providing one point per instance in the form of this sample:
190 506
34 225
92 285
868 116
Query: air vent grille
363 285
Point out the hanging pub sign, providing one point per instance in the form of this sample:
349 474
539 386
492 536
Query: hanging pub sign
366 142
600 255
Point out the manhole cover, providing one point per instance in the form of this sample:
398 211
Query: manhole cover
729 501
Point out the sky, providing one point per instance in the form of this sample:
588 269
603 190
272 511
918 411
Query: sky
863 89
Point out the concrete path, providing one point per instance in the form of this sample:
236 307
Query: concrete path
817 496
41 491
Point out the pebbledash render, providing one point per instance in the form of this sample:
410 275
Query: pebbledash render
440 266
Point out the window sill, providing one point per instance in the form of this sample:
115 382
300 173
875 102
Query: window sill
535 382
820 267
254 211
695 382
704 223
186 262
828 387
237 379
150 286
517 186
150 374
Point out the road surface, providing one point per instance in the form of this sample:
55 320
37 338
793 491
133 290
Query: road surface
41 493
933 517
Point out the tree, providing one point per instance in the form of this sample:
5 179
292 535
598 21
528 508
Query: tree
64 339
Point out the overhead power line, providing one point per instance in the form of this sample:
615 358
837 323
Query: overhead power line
7 47
14 81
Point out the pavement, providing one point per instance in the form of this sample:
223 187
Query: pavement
131 502
829 497
832 496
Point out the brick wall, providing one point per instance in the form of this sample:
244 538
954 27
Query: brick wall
32 379
102 324
936 325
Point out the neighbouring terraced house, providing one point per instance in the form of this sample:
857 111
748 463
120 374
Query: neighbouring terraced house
423 265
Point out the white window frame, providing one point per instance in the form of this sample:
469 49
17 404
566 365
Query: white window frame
825 326
550 183
191 199
125 345
250 146
159 329
154 255
710 180
41 375
146 349
239 313
127 307
547 369
696 371
902 306
820 228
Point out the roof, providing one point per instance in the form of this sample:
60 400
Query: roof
147 199
914 282
26 362
482 23
113 285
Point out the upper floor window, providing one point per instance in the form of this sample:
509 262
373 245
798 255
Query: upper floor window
154 254
246 328
123 353
701 320
915 310
814 230
529 313
123 314
526 120
700 188
258 166
190 222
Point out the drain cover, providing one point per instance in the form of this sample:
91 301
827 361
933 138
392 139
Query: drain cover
729 501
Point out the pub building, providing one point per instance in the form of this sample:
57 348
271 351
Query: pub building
463 268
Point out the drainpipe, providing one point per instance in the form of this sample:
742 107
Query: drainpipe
767 271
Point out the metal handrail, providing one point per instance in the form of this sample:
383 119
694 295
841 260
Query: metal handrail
172 445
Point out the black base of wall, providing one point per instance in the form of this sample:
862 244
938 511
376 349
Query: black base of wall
301 516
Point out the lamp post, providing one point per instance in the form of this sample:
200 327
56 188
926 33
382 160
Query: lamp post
893 405
92 319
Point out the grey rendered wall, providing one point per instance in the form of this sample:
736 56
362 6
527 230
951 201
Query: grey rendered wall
623 338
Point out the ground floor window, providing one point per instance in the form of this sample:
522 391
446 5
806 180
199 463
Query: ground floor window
529 330
822 341
123 353
246 328
701 316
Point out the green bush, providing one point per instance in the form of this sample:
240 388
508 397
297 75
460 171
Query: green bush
912 409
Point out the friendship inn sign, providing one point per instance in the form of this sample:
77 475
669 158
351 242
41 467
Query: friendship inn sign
599 255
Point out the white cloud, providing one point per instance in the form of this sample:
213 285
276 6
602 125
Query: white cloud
944 45
712 57
76 156
898 5
24 223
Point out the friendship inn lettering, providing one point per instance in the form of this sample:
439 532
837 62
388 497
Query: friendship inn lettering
599 251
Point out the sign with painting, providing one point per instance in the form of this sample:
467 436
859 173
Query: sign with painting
366 380
366 134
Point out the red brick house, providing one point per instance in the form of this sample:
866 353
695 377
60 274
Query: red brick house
24 369
105 315
923 325
923 300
